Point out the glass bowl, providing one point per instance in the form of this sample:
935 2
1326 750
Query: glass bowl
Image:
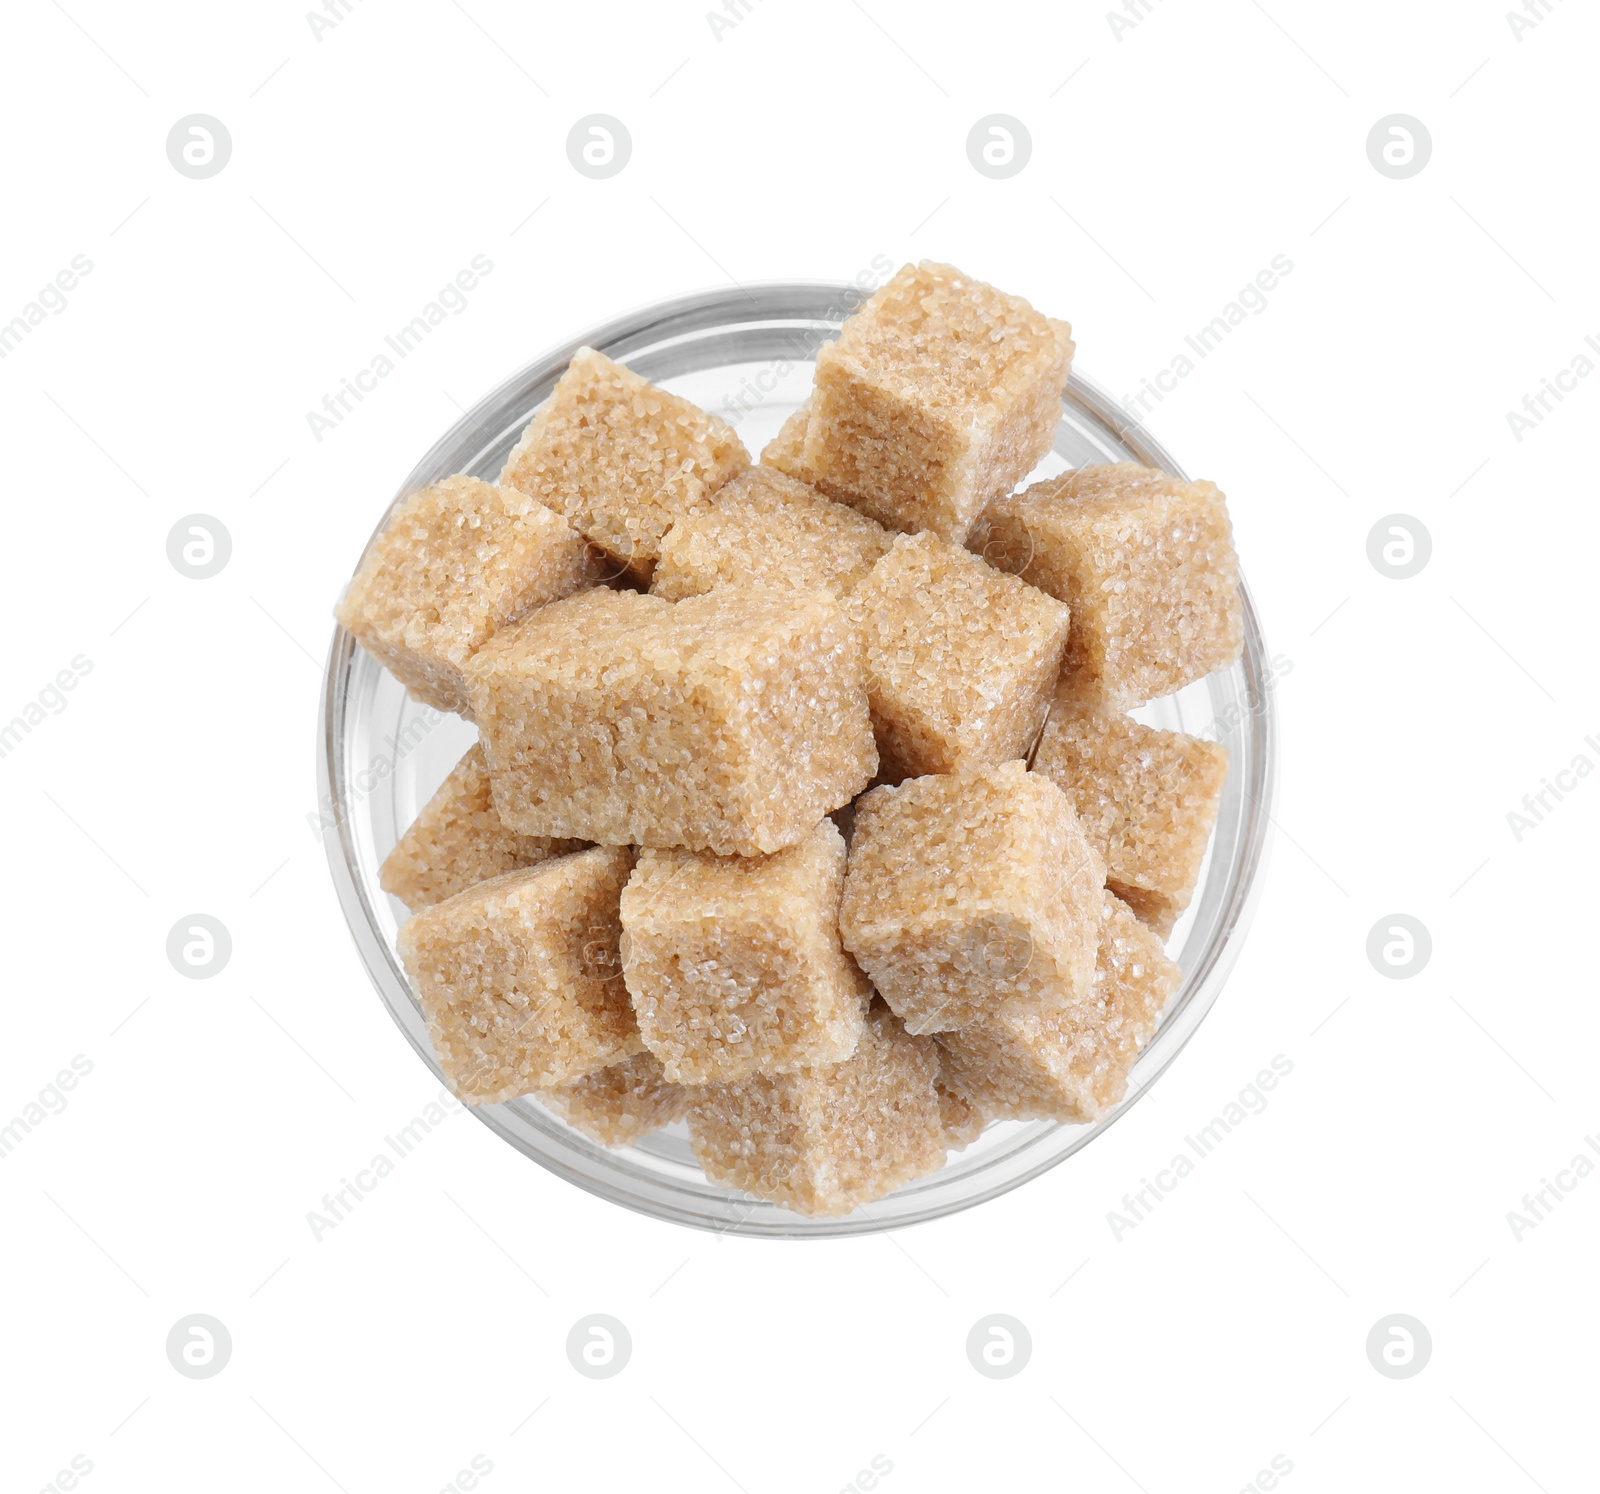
747 355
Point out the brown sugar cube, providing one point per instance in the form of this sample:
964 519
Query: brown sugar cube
961 658
622 459
520 978
968 892
458 841
734 962
938 395
621 1103
768 530
730 722
455 563
825 1140
1147 800
1145 561
1068 1062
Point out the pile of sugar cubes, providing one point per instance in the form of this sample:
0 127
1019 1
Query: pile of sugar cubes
805 806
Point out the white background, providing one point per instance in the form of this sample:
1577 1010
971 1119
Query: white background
1170 163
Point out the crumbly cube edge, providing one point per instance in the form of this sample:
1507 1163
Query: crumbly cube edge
457 840
824 1141
621 1103
766 529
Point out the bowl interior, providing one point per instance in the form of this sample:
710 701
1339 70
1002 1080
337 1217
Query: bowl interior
747 356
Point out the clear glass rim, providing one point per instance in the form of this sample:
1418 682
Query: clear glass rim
646 339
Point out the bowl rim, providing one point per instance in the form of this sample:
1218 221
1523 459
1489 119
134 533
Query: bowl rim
654 325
